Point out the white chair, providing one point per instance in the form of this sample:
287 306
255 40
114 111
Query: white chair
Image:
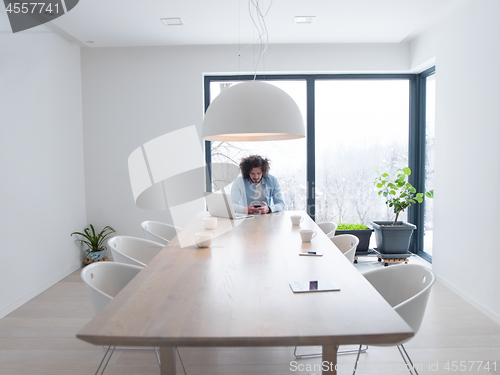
347 244
104 280
159 232
133 250
328 228
406 288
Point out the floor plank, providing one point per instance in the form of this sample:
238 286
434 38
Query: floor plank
39 338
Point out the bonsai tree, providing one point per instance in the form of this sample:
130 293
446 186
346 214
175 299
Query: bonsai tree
94 242
399 193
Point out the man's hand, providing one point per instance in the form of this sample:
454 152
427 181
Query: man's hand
250 210
257 210
264 209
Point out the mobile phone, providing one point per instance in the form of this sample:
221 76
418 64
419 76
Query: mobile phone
257 205
311 253
313 285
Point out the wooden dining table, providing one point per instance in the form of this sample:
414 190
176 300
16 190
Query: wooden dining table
237 293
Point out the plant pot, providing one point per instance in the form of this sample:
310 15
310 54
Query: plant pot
364 238
95 255
393 239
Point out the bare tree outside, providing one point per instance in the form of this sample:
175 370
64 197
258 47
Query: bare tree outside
362 195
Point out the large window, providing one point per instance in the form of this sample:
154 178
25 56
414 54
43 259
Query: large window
360 125
355 124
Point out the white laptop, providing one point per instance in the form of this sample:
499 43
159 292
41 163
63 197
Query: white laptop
220 205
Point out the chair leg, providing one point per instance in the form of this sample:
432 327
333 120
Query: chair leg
180 357
107 360
299 356
158 357
182 362
340 352
357 359
405 356
363 349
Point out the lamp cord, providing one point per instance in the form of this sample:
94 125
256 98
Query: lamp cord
261 27
254 6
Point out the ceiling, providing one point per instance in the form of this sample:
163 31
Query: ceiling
112 23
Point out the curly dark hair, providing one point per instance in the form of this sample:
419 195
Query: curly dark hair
254 161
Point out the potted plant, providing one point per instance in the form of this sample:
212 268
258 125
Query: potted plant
361 231
94 242
393 237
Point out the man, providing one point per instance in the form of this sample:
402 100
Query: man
256 191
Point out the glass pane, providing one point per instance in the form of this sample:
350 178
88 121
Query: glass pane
360 125
288 158
430 125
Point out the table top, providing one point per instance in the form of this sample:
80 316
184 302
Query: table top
236 293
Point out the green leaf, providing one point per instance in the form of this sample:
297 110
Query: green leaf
392 192
407 171
385 175
379 185
92 240
348 226
430 194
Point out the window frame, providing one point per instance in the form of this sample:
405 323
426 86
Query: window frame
417 162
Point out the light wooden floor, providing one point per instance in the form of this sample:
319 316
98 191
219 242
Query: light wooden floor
39 339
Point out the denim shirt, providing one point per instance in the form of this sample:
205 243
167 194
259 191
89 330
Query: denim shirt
242 193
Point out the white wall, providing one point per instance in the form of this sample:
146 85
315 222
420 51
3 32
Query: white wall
133 95
465 46
41 151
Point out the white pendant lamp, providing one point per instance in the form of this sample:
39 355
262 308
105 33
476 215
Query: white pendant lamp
253 111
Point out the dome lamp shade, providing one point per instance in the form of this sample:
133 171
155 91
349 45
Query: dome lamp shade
253 111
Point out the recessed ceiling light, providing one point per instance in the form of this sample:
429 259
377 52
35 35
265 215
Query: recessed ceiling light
303 19
177 21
